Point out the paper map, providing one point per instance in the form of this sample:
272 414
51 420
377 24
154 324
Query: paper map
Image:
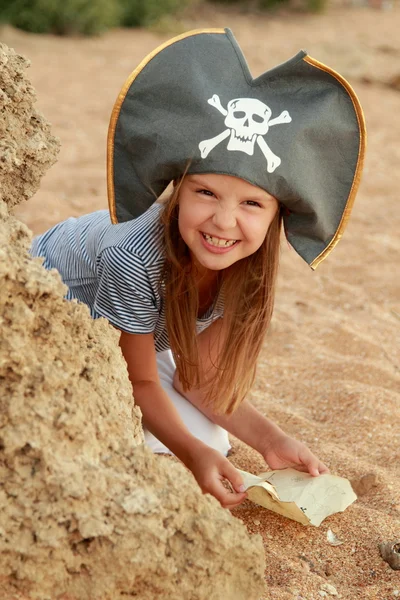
299 496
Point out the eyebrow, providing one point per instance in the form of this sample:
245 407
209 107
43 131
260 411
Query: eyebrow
200 182
252 197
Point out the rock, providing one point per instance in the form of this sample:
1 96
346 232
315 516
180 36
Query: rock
87 512
365 484
307 563
390 552
27 148
394 82
332 539
330 589
305 566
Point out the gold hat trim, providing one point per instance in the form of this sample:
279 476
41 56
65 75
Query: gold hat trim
360 162
117 107
357 107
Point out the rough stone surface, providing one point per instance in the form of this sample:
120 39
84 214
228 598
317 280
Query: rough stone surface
27 148
87 512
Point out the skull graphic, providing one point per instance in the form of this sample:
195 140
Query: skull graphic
247 121
247 118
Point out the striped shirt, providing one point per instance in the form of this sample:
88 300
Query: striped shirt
115 270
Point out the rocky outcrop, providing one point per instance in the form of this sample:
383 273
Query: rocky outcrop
87 512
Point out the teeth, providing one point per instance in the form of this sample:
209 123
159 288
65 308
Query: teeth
244 137
218 242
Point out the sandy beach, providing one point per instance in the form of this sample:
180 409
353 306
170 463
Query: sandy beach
329 373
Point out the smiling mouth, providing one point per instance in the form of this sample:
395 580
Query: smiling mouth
218 242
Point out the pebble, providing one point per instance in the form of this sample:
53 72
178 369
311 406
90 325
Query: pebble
396 592
365 484
305 566
327 587
256 522
390 552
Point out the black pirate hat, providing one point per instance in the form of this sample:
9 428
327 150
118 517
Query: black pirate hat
296 131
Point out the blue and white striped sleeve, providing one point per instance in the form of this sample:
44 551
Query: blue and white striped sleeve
124 295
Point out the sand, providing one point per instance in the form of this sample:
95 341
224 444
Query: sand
330 369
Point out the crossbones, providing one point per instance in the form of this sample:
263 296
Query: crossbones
247 120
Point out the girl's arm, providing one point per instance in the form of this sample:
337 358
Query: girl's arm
162 419
159 414
246 423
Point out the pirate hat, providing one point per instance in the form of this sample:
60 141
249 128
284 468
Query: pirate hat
296 131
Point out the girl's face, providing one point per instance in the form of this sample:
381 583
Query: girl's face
223 219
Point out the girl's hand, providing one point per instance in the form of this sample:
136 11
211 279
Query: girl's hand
283 452
210 468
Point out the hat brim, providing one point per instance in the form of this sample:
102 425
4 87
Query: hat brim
163 111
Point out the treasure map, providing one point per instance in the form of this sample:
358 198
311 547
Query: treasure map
299 496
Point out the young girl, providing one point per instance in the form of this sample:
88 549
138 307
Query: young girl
189 280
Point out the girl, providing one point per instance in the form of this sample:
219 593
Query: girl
189 280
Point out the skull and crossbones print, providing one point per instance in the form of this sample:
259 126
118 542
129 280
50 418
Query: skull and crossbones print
247 121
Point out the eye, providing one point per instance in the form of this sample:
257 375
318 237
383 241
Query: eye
205 192
257 118
239 114
253 203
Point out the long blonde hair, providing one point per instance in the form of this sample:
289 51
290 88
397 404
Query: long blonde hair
248 291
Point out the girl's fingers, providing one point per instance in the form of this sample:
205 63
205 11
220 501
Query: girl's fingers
226 498
311 462
233 476
314 466
323 469
230 502
313 469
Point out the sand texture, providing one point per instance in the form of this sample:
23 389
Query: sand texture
330 368
87 512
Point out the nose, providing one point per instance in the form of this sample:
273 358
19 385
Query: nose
224 218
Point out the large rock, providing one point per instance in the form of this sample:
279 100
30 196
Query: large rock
87 512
